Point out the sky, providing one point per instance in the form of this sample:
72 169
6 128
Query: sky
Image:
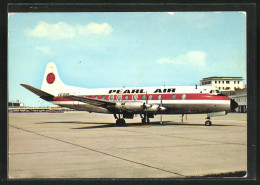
98 50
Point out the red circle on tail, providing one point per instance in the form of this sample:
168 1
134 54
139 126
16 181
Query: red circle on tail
50 78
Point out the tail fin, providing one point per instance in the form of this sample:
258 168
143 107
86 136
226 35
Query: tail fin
51 81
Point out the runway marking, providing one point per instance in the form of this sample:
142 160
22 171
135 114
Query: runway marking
146 165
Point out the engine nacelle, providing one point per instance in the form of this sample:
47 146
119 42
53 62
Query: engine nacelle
129 106
153 108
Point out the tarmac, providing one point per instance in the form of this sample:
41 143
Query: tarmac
89 145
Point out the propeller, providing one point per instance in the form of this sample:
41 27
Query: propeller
160 110
145 105
183 116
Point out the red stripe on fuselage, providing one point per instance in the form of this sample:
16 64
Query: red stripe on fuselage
191 96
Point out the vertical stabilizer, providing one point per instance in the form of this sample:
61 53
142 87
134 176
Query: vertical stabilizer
51 81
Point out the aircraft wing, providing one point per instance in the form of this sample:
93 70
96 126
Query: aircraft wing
44 95
91 101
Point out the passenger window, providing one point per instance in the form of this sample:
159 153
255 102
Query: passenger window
111 97
96 97
143 97
159 96
184 96
119 97
126 97
174 96
135 97
103 97
150 96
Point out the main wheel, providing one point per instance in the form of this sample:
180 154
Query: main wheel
120 122
208 123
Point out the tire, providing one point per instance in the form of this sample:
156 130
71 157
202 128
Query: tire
208 123
120 122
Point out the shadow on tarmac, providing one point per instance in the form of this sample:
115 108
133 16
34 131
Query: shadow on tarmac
137 124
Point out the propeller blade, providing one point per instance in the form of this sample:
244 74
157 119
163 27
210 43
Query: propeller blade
146 98
161 113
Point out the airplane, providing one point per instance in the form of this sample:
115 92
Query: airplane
125 102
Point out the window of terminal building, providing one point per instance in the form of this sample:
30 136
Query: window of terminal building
216 82
219 82
227 88
235 82
223 82
227 82
219 88
222 88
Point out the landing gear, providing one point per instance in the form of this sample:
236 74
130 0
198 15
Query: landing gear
119 121
145 119
208 122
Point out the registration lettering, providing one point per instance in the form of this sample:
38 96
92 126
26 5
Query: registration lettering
63 94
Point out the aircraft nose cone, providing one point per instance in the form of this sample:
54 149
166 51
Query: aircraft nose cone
233 104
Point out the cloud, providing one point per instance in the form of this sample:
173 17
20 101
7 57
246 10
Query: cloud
59 30
44 49
94 28
196 58
62 30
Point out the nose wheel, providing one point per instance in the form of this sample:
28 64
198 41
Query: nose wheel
208 122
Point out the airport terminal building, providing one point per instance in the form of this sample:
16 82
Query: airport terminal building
223 83
229 86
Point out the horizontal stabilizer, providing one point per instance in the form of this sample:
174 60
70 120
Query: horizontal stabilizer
42 94
91 101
